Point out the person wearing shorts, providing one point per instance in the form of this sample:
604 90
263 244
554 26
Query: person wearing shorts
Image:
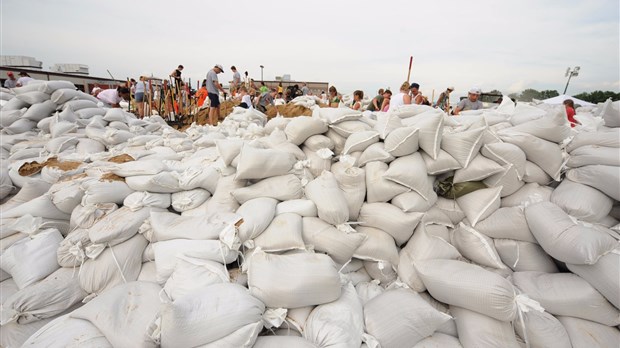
139 94
213 89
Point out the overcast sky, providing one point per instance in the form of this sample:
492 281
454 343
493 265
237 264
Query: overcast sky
504 45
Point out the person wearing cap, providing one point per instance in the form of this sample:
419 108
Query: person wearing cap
236 81
471 102
24 79
444 99
213 89
11 82
416 95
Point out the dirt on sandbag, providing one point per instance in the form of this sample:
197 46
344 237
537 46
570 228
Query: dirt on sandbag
121 158
288 110
32 168
111 177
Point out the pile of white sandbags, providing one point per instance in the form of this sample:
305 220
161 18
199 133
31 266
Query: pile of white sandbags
411 229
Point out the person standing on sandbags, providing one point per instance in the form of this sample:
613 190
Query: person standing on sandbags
236 81
444 99
111 98
471 102
213 88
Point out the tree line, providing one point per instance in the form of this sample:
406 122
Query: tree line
593 97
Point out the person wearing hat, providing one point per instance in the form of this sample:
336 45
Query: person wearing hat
24 79
236 82
444 99
11 82
213 88
416 95
471 102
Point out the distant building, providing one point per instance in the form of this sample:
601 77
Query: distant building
70 68
82 82
20 62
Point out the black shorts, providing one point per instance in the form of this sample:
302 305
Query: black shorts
215 100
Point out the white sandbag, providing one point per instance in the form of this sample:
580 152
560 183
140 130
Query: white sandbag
476 247
469 286
208 314
366 291
410 171
439 340
167 253
430 134
507 179
199 177
118 226
45 299
378 246
567 294
316 161
402 141
40 111
585 333
330 201
128 308
89 146
374 152
339 245
113 266
563 238
524 256
506 153
603 178
381 271
139 200
14 104
86 216
66 195
347 128
75 105
604 275
554 127
9 116
257 163
51 86
414 202
71 251
610 138
480 204
391 219
96 191
283 234
277 280
352 182
282 342
301 128
479 168
610 114
317 142
257 214
359 141
186 200
89 113
228 149
422 246
192 273
378 188
479 330
581 201
442 164
65 332
463 146
167 226
20 126
32 259
545 154
592 154
302 207
242 338
282 188
142 167
528 194
339 323
543 330
63 95
336 115
400 318
34 97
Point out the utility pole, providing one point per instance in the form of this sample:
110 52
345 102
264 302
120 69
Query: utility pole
261 73
570 73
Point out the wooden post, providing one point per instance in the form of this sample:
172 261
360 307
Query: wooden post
410 64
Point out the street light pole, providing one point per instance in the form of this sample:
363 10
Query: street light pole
261 73
570 73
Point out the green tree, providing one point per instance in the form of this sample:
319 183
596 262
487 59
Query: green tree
529 94
546 94
598 96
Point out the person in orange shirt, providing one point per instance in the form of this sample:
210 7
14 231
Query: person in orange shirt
201 94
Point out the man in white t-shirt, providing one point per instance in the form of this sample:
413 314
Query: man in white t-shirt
112 97
24 79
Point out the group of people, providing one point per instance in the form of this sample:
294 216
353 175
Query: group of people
12 82
410 94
